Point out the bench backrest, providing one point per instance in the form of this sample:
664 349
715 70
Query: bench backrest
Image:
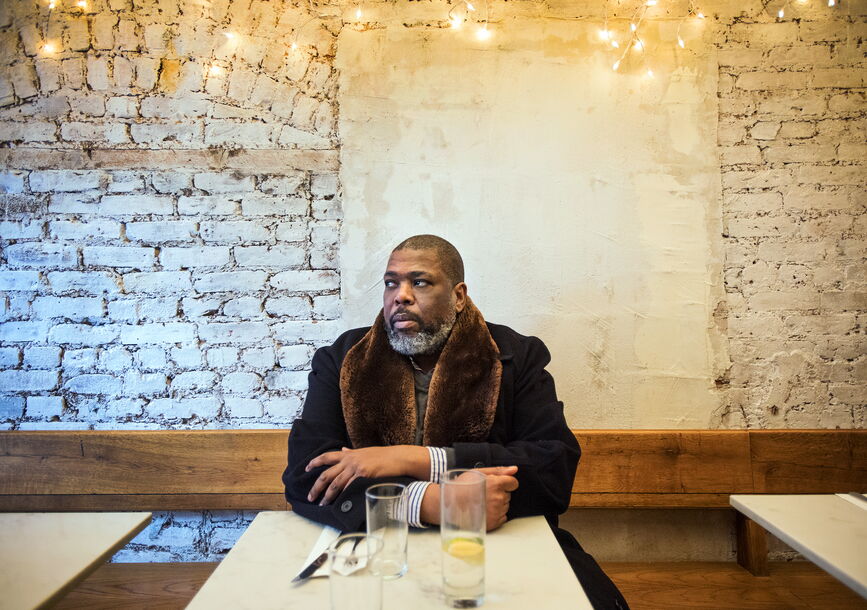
240 469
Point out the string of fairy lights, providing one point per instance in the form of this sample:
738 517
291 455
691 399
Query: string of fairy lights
464 14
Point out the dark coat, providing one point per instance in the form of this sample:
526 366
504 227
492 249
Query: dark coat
528 431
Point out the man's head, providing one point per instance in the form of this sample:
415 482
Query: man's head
424 290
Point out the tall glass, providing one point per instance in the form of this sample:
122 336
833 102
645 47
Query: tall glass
387 521
355 582
462 528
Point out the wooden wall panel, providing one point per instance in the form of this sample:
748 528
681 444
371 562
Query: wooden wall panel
142 462
809 461
663 462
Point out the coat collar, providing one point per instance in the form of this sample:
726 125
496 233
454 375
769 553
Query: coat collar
378 393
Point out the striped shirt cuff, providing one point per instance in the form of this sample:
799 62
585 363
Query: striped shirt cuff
414 494
438 463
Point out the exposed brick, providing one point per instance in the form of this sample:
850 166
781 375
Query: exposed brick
233 332
177 332
29 381
192 257
119 256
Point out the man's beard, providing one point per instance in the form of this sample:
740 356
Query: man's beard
428 340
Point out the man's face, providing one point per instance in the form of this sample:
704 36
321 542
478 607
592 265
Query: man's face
419 302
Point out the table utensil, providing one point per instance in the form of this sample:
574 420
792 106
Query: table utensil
355 581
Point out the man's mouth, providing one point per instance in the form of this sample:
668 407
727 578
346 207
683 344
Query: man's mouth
403 320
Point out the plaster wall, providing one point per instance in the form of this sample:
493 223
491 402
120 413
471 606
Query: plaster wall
587 215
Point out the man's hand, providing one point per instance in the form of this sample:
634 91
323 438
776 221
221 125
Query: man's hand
499 485
500 482
371 462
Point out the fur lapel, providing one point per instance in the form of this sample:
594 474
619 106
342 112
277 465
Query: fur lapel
378 391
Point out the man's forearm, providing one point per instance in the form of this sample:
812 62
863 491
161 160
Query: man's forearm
430 505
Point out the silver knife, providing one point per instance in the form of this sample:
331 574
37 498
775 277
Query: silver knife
309 570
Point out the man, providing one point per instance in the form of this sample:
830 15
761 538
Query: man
432 386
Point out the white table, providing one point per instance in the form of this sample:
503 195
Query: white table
525 569
827 529
45 555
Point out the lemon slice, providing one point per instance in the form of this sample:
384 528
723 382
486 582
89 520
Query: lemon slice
467 549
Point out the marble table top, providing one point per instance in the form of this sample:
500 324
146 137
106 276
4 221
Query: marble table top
827 529
43 556
525 569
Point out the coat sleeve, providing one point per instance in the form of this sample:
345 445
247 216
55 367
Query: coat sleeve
536 439
320 429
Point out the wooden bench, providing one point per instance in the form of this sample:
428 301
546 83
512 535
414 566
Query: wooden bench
240 469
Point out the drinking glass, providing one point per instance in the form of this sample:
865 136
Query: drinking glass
355 582
387 521
462 531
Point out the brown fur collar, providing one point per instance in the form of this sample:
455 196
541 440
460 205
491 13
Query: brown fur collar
378 391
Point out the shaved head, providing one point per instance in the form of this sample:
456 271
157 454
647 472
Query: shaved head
448 256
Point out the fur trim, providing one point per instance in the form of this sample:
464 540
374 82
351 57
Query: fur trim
378 391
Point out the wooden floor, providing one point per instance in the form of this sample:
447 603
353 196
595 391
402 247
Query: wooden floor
646 586
720 586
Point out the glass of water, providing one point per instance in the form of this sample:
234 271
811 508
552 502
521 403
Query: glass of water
462 531
387 520
355 581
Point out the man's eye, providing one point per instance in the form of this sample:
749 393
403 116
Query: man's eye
421 282
389 283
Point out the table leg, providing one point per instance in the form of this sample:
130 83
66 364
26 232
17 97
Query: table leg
752 545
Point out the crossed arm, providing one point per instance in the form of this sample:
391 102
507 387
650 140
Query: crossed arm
346 465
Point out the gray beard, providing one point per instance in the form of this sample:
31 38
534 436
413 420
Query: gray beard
428 340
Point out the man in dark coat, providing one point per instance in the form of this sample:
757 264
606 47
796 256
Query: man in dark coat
432 386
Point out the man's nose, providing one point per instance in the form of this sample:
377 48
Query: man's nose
404 293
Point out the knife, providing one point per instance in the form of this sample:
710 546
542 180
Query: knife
309 570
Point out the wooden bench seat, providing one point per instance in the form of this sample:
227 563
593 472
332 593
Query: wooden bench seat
240 469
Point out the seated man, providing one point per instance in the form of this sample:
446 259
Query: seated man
432 386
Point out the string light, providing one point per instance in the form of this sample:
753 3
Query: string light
700 15
358 13
633 27
680 42
649 73
51 5
229 35
781 13
49 47
616 65
470 6
456 22
82 4
638 46
651 3
294 46
615 44
604 34
831 3
483 33
215 70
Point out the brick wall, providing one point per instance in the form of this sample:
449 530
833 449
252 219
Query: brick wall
169 226
792 128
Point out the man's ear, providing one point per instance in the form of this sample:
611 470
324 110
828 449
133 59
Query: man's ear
460 294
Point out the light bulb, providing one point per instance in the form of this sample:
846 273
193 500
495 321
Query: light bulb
456 22
649 73
604 34
49 47
358 13
633 27
651 3
82 4
51 5
215 70
229 35
294 46
680 42
483 33
470 6
781 13
615 44
616 65
638 46
700 15
831 3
